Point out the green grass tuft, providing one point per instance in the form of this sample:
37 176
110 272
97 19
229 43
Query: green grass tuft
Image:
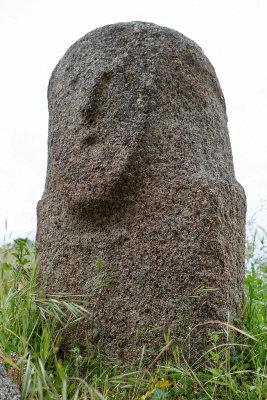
32 324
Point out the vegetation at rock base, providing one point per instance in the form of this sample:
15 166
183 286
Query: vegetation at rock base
31 326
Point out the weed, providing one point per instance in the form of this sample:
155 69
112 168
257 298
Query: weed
31 326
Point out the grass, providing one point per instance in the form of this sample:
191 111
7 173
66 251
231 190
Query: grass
31 326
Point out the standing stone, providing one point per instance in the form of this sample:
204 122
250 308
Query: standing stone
140 172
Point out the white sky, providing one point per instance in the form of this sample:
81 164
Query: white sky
36 33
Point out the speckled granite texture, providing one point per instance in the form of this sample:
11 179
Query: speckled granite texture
8 389
140 172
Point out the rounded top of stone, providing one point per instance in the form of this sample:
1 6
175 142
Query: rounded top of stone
136 27
128 97
115 43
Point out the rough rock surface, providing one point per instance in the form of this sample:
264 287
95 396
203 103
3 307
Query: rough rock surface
8 389
140 172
